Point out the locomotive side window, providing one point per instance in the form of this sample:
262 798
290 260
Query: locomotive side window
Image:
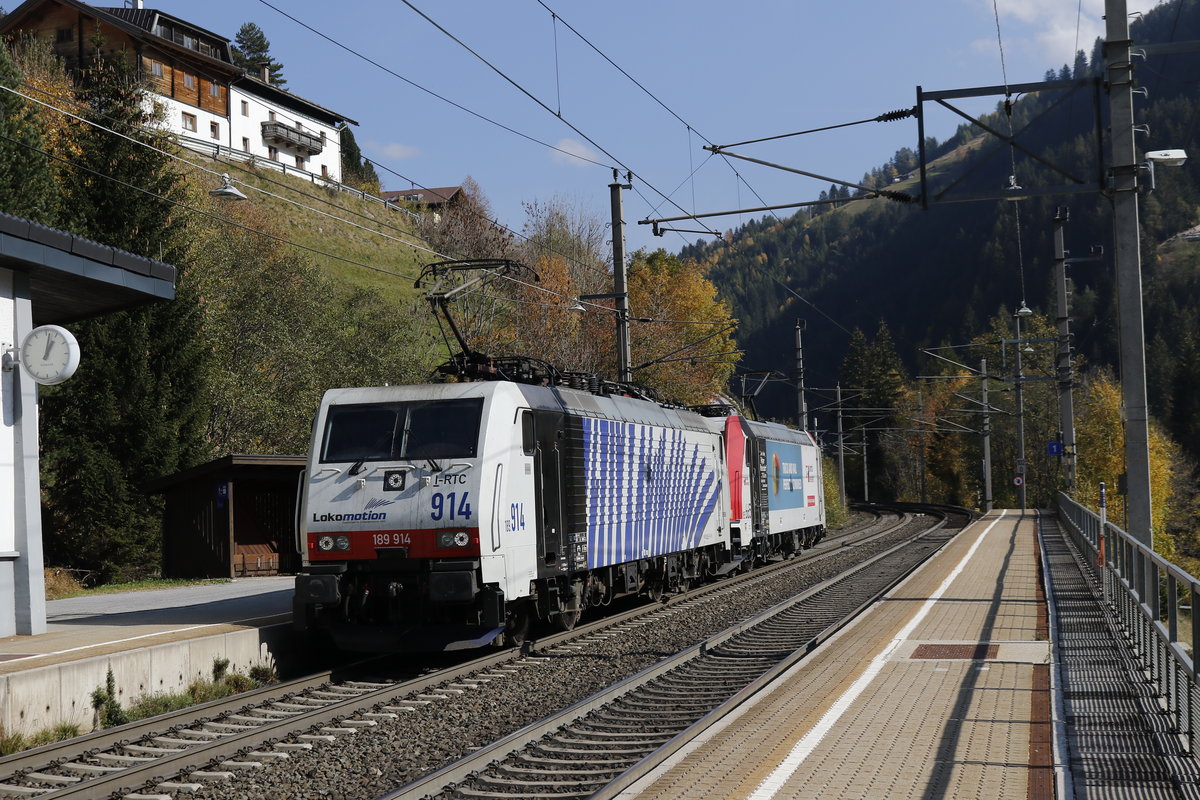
528 444
389 431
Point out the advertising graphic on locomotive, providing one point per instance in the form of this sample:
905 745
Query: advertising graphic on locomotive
449 516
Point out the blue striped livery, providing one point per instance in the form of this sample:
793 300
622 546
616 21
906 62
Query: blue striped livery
650 490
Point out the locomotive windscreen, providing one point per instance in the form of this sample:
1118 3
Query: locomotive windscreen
389 431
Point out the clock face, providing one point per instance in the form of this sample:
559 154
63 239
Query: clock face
50 354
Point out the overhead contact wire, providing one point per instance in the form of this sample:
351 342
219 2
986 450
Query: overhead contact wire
432 93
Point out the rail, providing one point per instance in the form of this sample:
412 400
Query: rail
1153 601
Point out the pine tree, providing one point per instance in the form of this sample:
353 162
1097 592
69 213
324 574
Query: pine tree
357 171
252 50
27 186
134 411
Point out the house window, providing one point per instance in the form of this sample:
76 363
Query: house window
271 116
214 129
246 144
245 109
324 170
273 153
300 162
189 121
156 69
189 81
214 90
64 36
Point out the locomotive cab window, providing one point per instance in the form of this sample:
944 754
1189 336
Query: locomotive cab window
391 431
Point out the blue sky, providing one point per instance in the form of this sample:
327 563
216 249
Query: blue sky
731 71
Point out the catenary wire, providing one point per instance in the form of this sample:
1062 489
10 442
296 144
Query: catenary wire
430 92
160 134
1012 150
202 168
202 212
739 178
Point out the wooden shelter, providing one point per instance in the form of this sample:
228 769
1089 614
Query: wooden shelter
230 518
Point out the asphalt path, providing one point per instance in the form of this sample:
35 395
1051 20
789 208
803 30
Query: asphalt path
79 627
237 600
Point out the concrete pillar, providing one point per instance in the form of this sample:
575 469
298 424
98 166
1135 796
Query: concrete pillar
22 585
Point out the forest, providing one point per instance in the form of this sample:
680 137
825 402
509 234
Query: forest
903 306
902 303
276 302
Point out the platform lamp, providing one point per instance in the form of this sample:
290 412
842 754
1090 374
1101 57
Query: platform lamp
227 190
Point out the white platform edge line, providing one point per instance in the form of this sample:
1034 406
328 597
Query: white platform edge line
770 786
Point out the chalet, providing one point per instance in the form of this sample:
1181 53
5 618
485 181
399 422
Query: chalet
430 201
211 104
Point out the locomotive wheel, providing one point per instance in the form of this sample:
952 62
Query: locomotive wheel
516 625
568 616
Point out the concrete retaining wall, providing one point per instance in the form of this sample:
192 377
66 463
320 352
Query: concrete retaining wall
40 698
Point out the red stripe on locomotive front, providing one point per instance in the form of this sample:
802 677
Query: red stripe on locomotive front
420 543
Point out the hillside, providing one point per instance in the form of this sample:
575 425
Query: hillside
359 243
939 276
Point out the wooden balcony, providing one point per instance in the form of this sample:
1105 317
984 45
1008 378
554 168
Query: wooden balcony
288 136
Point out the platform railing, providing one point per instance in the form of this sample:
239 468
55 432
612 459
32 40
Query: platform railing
1160 625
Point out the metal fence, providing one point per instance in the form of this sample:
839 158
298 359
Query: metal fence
222 152
1153 601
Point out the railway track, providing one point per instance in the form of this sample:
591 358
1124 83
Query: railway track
221 744
602 745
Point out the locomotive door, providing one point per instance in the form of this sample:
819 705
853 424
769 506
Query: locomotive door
757 460
548 489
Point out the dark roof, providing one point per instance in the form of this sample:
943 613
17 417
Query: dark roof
72 278
283 97
429 197
131 22
142 17
147 19
231 466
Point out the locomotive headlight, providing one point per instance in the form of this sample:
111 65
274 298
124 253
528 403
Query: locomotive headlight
453 539
341 542
325 543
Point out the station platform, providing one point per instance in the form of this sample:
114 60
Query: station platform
157 640
950 687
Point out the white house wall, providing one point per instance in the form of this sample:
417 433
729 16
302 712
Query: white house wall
234 129
249 126
173 120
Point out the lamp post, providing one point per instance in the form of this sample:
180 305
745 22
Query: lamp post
1023 311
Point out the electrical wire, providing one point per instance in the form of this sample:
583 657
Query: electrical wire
430 92
739 178
176 157
1012 151
202 212
536 100
157 133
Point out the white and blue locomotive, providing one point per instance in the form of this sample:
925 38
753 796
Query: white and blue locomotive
447 516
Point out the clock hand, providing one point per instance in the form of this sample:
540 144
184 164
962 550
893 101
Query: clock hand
49 346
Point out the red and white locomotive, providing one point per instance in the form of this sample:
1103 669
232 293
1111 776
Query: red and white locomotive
451 515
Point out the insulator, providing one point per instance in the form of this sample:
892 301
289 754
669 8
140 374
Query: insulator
901 113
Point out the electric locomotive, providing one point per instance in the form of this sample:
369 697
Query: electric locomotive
450 516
